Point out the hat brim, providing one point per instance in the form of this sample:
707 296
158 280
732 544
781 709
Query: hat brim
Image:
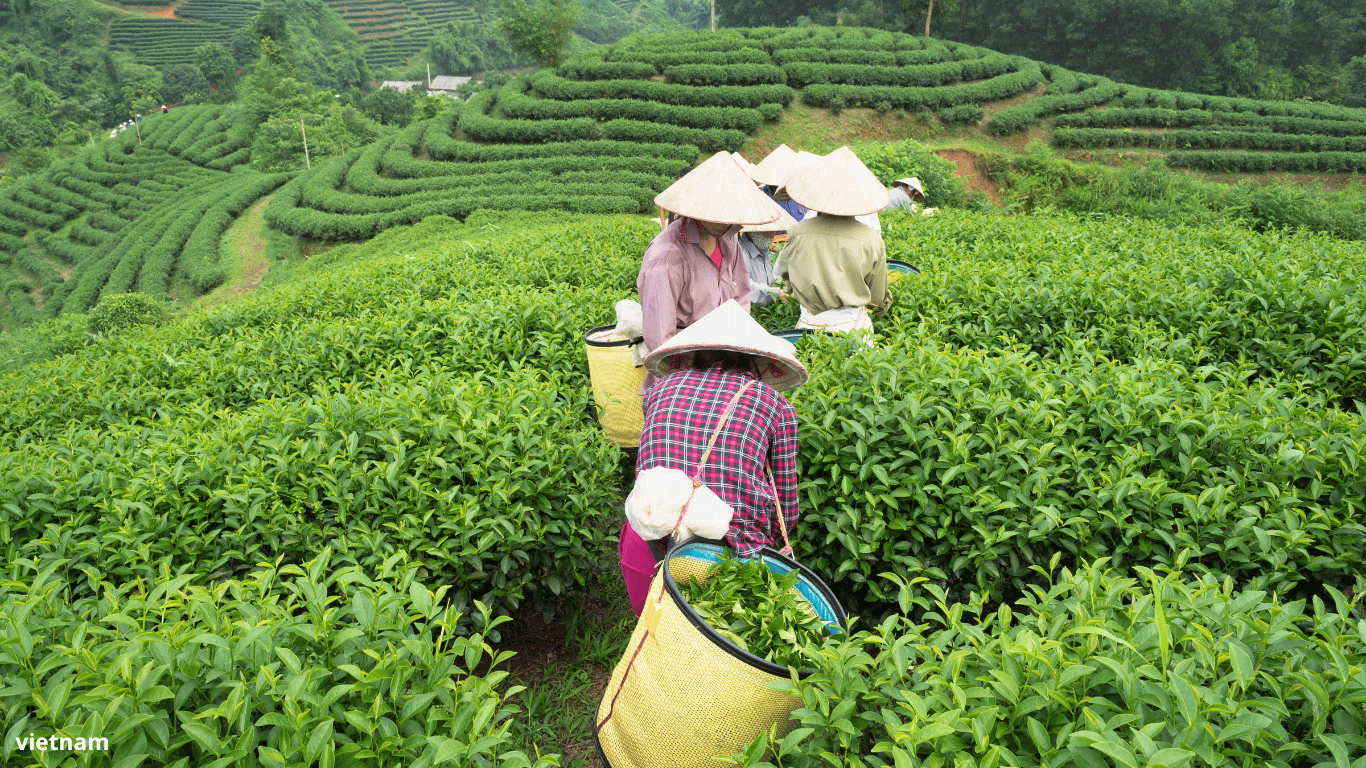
839 185
729 327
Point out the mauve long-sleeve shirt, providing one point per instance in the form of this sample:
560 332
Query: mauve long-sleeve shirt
679 283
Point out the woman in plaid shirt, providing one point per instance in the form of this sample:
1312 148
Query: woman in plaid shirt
753 461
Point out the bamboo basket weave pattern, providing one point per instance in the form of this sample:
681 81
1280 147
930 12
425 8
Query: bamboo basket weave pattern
681 694
616 386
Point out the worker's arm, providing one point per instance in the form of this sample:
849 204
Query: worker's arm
877 281
659 285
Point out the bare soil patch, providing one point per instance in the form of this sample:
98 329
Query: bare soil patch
973 171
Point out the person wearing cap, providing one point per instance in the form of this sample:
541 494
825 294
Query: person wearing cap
755 241
695 264
905 193
752 465
836 267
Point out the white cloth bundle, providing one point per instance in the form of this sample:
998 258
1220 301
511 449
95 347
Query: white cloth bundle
840 320
659 495
630 325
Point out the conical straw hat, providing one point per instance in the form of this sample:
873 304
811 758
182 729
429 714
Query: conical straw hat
745 165
718 191
839 185
784 223
800 161
913 183
730 327
774 168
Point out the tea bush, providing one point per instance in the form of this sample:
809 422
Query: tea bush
322 663
126 310
1018 117
1090 668
993 89
1271 305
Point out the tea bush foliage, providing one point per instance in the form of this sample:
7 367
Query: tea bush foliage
1049 392
1090 668
1097 489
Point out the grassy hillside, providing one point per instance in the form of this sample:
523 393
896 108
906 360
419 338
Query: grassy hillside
1048 393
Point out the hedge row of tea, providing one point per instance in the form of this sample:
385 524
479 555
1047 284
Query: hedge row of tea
386 185
1094 668
1255 136
125 215
557 140
165 497
161 41
396 413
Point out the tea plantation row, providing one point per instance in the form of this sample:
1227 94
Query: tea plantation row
125 215
162 592
1032 405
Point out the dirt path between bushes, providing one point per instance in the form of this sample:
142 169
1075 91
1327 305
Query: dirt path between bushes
248 238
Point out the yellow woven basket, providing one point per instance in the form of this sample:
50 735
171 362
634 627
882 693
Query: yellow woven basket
682 694
616 386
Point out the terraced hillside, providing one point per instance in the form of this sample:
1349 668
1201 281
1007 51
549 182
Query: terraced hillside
608 129
126 216
161 41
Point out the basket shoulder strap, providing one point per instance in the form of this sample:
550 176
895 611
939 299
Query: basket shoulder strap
706 454
778 504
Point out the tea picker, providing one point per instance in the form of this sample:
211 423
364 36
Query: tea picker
835 266
717 460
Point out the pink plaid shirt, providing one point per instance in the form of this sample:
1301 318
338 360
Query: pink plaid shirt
681 412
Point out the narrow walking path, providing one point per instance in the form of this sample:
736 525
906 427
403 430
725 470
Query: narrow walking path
244 243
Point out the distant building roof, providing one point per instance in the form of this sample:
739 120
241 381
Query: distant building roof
447 83
402 86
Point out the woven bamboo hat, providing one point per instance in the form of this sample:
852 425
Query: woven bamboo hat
802 160
745 165
775 167
729 327
913 183
717 190
839 185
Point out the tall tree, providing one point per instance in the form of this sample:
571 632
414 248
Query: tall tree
216 62
926 8
541 31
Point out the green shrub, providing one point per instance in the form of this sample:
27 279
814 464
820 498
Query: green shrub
964 114
126 310
771 113
724 74
897 160
1020 116
284 666
993 89
1095 667
835 105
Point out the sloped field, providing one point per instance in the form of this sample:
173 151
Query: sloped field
542 141
127 217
